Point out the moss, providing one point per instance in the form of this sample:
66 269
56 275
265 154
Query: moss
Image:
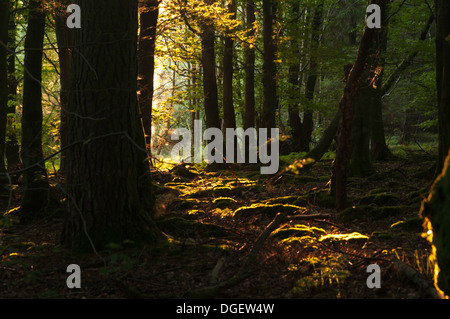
351 237
184 203
297 231
269 210
293 200
355 212
224 202
411 224
181 227
326 200
372 212
379 199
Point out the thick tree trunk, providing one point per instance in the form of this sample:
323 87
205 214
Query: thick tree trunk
435 212
351 92
4 21
443 78
270 103
36 190
149 12
108 181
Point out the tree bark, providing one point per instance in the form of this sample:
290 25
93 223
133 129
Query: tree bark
351 91
36 190
149 12
108 183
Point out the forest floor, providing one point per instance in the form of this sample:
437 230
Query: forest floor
212 220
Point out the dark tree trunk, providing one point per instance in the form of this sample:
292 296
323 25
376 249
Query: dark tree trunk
351 92
149 12
12 152
307 125
108 181
379 149
209 73
4 21
443 78
64 39
36 190
249 95
294 121
270 103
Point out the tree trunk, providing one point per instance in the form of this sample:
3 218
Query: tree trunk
294 121
351 91
4 21
379 149
210 92
270 103
249 95
443 78
229 115
12 152
64 39
307 125
149 12
36 190
108 183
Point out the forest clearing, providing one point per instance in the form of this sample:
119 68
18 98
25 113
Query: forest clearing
224 150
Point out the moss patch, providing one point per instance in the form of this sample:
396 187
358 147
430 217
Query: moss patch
297 231
269 210
351 237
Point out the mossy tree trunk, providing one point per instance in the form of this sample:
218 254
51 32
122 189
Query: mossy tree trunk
108 184
436 213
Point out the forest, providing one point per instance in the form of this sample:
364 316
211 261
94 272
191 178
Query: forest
224 149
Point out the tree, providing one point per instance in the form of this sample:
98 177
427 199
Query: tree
307 125
443 78
108 184
64 40
149 12
208 60
12 151
270 102
36 189
351 92
249 93
4 21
